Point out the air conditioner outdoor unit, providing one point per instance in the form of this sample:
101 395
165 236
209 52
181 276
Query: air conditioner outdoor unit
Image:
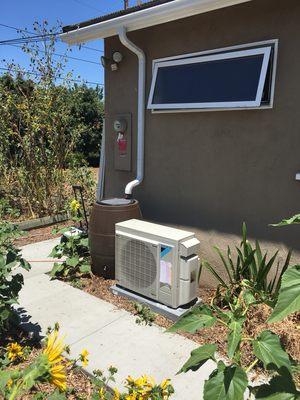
157 262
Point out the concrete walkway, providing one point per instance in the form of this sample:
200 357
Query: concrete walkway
110 335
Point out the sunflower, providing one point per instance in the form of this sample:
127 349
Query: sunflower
14 351
53 352
84 357
116 394
74 206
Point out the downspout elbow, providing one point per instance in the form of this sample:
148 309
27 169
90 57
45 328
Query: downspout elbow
140 110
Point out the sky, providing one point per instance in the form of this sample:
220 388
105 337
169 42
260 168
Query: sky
22 14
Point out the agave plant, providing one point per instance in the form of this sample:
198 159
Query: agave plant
249 268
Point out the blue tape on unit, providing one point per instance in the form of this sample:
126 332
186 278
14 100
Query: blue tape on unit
164 250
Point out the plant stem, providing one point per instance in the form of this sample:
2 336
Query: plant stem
251 366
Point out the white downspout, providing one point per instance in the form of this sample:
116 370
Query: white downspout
140 110
101 174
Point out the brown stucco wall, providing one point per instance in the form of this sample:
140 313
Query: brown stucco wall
209 171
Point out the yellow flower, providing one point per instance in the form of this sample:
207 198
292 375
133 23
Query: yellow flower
58 376
165 383
14 351
9 383
116 394
132 396
53 351
102 393
74 206
84 357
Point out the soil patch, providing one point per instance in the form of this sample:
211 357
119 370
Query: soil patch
39 234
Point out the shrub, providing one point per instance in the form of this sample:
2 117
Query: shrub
249 268
230 381
10 282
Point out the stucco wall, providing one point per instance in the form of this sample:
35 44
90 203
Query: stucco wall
209 171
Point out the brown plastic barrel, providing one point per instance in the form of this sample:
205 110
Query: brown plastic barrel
102 234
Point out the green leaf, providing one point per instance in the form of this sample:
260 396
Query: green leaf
57 268
267 348
226 383
234 337
290 221
56 395
280 387
85 269
289 295
248 297
199 357
214 273
197 318
72 262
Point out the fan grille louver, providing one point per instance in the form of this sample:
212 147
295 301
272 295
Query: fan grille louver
137 264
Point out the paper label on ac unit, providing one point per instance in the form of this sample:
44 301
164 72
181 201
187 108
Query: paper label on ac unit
165 272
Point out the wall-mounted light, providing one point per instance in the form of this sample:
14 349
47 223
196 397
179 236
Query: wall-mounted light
117 57
113 62
105 61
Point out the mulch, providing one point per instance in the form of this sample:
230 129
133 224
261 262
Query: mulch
288 329
39 234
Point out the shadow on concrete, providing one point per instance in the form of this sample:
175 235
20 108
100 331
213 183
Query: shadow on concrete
33 328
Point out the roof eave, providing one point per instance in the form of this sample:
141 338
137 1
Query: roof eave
159 14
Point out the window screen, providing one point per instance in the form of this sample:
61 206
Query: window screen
223 80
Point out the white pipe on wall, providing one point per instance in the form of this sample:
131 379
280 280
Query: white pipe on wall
101 174
140 110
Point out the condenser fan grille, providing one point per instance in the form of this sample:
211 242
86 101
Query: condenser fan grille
137 264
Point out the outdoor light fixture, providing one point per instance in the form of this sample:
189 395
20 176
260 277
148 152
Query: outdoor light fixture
117 57
104 61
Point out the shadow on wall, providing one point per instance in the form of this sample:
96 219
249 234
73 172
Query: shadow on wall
219 229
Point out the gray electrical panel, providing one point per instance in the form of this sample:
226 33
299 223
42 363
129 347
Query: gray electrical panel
122 141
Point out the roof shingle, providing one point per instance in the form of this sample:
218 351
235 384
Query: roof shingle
113 15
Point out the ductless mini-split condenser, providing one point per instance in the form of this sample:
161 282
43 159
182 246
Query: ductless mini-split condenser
158 262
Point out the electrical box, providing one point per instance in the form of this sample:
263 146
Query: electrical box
121 130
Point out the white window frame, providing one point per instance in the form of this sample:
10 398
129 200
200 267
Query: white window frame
264 48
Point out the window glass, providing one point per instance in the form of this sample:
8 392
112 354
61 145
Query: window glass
232 79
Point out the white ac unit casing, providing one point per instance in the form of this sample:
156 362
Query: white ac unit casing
157 261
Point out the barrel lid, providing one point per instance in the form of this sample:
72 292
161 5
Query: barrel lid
116 201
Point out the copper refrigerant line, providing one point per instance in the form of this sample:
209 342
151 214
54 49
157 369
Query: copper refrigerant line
46 260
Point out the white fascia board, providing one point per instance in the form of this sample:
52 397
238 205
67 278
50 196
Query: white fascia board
159 14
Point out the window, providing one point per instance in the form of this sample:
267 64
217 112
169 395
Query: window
242 78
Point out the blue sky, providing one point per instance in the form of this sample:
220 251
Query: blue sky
22 14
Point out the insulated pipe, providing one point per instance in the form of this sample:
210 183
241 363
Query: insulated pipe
140 111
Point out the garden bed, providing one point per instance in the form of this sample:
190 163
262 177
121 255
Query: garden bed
78 383
287 329
39 234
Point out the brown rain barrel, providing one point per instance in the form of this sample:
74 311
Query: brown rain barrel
104 216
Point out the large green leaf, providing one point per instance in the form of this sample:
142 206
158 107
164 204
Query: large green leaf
289 294
295 219
234 337
73 261
267 348
280 387
197 318
85 269
57 267
226 383
199 357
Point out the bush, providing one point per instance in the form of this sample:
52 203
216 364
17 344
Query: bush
43 126
231 381
10 282
248 269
